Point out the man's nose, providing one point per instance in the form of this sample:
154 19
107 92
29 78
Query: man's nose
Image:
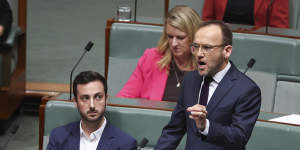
200 52
92 105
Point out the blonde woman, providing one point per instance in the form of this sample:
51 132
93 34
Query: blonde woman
160 70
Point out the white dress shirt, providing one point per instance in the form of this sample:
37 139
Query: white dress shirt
91 142
212 87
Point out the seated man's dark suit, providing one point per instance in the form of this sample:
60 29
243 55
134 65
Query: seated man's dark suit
232 113
67 137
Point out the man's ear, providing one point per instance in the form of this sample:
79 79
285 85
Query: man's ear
227 51
75 102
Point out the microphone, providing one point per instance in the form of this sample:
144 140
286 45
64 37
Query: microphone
87 48
268 15
135 7
250 64
143 143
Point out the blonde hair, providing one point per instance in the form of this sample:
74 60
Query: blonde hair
185 19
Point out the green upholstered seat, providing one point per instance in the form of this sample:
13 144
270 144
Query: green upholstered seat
272 54
274 136
275 56
120 69
267 83
138 123
294 6
127 45
287 98
148 123
130 40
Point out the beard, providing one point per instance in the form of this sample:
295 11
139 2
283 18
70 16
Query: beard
94 119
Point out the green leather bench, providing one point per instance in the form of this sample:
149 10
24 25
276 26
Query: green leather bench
275 57
138 123
274 136
127 43
148 123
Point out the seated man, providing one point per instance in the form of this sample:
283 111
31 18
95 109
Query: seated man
5 20
93 131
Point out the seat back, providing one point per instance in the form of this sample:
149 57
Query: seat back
140 123
294 12
127 45
274 136
274 56
294 6
269 52
287 98
130 40
267 84
137 122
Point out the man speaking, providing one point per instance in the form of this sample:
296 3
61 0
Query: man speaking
218 105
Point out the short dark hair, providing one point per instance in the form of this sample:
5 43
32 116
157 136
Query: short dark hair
87 77
226 32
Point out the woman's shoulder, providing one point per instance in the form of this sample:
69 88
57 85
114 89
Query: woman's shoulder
152 53
151 56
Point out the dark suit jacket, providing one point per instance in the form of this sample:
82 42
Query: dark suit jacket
232 112
67 137
5 18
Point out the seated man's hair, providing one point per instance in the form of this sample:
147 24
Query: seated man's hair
87 77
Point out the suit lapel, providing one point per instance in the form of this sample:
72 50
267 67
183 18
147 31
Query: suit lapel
223 88
106 140
195 88
74 138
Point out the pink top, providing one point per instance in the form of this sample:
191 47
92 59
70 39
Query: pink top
147 80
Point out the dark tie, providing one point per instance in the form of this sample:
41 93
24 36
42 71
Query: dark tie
205 90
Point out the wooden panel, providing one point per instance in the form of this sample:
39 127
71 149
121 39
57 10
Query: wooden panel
47 87
41 125
3 104
166 7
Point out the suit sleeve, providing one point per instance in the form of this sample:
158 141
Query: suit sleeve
244 115
132 145
133 87
175 129
52 145
280 14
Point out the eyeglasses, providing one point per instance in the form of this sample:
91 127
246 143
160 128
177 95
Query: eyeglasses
206 48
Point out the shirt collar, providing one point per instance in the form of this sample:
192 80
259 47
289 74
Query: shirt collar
220 75
98 133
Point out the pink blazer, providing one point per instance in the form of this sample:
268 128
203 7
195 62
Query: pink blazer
147 80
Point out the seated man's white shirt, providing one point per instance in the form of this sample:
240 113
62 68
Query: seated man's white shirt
91 142
212 87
